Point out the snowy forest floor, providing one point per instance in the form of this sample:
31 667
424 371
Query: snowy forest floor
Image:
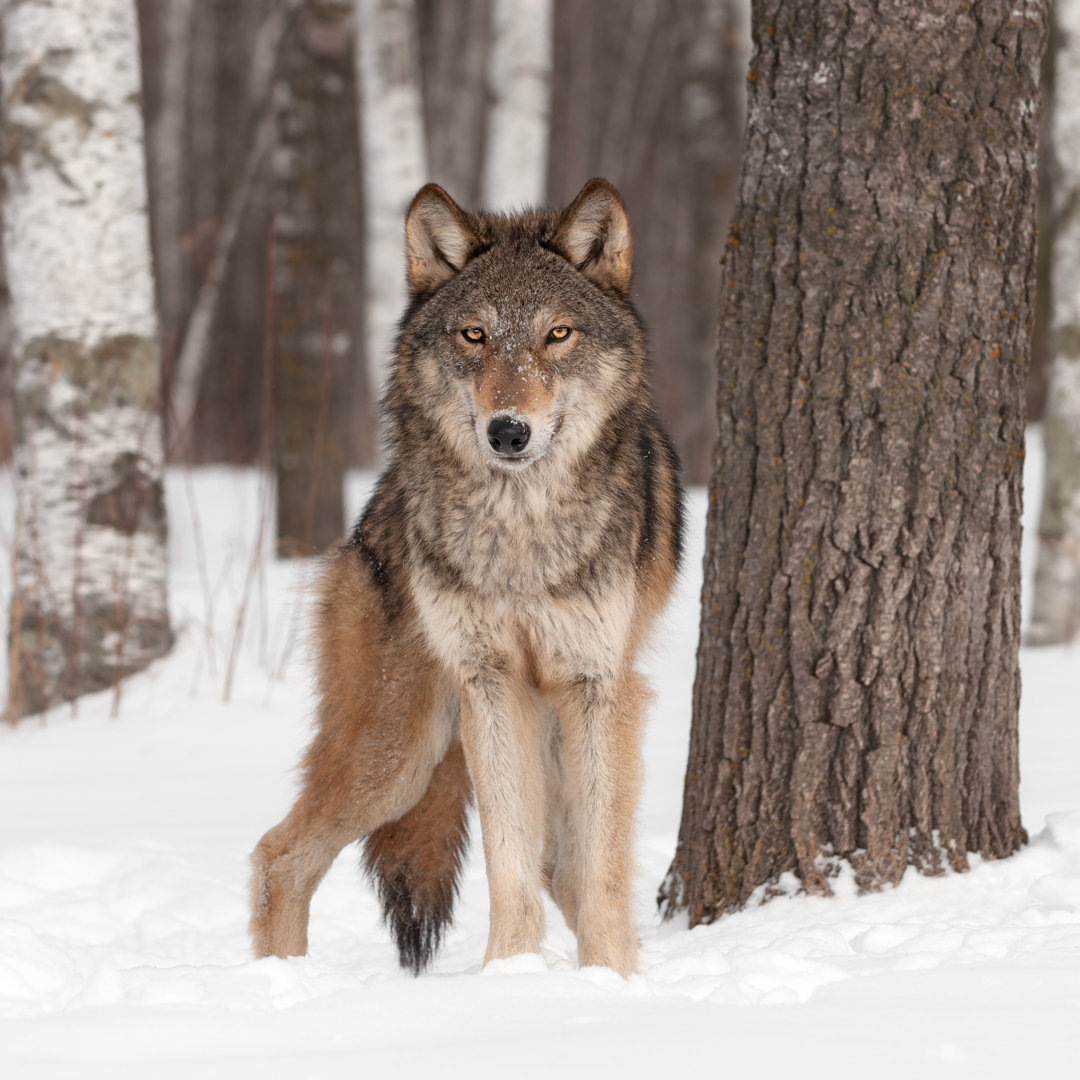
123 891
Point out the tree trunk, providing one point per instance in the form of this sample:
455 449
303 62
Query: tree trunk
248 130
716 45
651 96
454 51
89 599
858 686
7 420
166 37
1041 350
316 271
1055 615
519 104
394 163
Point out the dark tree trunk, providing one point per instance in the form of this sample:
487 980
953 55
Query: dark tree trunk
203 95
1039 373
858 685
454 42
316 332
650 95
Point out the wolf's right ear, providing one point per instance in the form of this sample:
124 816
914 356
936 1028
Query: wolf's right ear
438 239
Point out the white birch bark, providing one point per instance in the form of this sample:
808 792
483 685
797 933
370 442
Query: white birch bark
89 598
519 110
1055 614
394 163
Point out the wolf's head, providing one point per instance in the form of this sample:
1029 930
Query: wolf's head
520 342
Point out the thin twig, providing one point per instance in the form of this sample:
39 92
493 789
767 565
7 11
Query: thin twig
258 553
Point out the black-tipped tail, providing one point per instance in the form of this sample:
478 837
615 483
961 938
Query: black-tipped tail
414 863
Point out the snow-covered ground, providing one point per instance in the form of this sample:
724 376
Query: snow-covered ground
123 867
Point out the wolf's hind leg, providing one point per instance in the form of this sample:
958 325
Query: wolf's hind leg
356 781
350 791
414 862
385 720
289 862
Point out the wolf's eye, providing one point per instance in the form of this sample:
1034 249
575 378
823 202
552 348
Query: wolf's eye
474 334
559 333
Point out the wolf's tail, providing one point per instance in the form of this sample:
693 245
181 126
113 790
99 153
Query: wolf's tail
414 862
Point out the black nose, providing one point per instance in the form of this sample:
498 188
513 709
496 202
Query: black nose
508 437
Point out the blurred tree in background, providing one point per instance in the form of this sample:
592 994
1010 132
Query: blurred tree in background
1055 616
649 94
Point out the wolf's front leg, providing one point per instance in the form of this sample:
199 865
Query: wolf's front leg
601 759
498 732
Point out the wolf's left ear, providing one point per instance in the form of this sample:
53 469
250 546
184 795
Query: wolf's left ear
438 239
594 234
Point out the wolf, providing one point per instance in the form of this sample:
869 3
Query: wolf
477 634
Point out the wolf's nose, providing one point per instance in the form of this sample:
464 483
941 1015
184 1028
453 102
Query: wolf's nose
508 437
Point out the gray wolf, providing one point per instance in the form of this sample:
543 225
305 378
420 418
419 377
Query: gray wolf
478 632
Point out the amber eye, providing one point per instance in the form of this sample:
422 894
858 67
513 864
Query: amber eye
474 334
559 333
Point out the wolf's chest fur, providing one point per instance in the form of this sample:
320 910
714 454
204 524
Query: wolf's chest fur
512 536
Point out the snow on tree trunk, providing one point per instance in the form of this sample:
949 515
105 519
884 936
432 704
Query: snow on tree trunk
857 685
1055 615
393 160
89 598
519 109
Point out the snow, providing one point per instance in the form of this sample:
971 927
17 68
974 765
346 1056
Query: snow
123 907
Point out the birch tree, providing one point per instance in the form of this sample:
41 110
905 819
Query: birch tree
519 104
394 162
89 597
858 683
1055 614
454 53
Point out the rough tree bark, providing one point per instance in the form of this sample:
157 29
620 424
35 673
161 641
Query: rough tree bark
1055 613
316 269
857 688
89 600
